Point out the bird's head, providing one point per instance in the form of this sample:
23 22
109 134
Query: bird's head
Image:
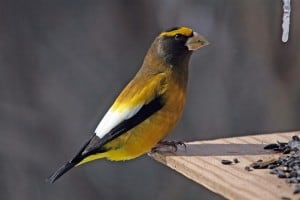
177 44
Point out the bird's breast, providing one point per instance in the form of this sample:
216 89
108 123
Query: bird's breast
144 136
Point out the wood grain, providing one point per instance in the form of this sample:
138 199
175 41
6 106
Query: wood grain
201 162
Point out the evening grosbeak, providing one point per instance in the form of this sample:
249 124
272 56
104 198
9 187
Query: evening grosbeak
150 105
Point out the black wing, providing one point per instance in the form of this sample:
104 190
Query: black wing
95 144
146 111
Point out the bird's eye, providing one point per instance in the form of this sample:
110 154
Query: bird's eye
178 36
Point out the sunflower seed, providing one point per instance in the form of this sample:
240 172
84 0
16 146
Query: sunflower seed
226 162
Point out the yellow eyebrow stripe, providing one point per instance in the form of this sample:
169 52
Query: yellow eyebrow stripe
182 30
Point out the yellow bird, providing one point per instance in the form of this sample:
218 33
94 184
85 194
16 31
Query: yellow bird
150 105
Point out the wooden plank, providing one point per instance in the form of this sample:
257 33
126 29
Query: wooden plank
201 162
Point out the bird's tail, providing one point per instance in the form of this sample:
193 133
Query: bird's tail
69 165
61 171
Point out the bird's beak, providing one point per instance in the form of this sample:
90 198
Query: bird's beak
195 42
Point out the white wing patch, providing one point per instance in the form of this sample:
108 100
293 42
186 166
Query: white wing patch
113 118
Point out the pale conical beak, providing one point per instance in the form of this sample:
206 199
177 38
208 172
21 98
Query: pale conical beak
195 42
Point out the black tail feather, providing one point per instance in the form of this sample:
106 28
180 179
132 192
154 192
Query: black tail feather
62 170
72 163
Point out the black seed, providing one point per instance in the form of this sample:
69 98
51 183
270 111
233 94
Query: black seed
294 163
255 166
272 166
274 171
292 180
247 168
236 160
296 167
286 198
294 145
260 164
281 173
297 189
286 150
293 174
282 176
226 162
271 146
296 138
282 144
277 149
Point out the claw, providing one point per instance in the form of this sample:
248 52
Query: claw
167 146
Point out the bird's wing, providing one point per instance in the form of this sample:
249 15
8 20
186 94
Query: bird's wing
133 106
118 120
114 117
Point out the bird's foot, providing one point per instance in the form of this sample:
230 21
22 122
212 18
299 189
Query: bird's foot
167 146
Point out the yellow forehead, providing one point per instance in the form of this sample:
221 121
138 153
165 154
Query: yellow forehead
181 30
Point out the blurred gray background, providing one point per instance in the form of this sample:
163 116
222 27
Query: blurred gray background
62 63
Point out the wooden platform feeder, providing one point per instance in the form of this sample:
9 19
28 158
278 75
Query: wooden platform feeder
201 161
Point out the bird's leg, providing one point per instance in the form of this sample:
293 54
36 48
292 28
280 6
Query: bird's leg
167 146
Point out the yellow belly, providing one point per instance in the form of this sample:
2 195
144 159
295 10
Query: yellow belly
143 137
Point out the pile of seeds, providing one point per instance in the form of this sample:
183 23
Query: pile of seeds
286 166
